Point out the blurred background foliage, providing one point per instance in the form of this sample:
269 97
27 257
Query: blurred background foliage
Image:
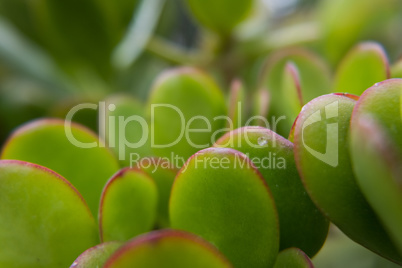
55 54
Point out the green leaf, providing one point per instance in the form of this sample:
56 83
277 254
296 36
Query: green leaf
293 257
222 197
181 99
126 129
321 141
128 205
236 105
220 16
44 142
313 80
377 166
44 220
364 65
273 156
96 256
140 31
376 151
167 248
163 173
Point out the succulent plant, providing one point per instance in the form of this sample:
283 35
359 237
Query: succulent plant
240 147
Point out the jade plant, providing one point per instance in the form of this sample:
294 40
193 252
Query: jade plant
246 151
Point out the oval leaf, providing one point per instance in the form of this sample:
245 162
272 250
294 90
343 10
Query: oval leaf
182 98
220 196
128 205
44 220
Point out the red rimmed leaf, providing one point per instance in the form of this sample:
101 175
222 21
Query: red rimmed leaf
167 248
128 205
184 96
45 142
364 65
219 195
45 222
321 141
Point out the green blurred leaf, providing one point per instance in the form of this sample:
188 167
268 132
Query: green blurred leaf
273 156
126 127
322 157
167 248
45 221
228 204
220 16
364 65
44 142
128 205
185 97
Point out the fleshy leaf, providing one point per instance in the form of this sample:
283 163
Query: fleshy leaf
126 129
45 142
293 257
96 256
376 150
222 197
364 65
314 80
128 205
322 158
163 173
378 169
45 221
237 105
273 156
220 16
180 97
167 248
